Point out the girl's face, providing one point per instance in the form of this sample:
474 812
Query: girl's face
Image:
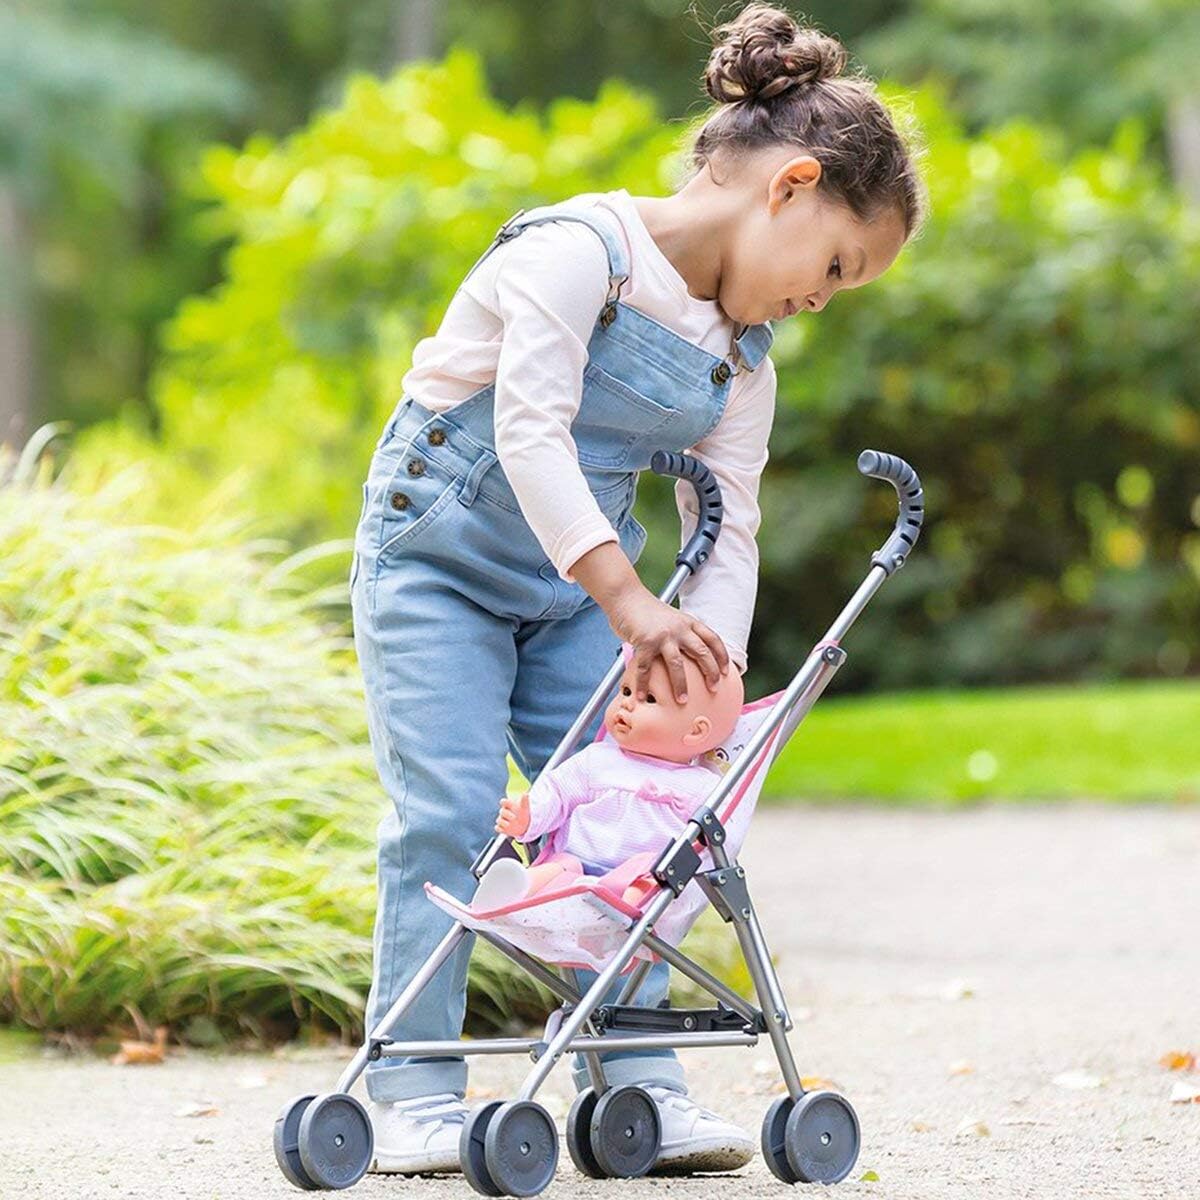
796 247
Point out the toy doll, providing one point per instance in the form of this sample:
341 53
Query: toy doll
627 794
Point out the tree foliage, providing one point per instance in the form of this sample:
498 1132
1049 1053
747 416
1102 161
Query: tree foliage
1032 354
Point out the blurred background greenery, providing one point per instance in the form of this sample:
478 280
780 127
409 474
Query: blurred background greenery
223 226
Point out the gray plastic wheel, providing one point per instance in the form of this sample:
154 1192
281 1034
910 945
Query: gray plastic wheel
821 1138
626 1132
471 1152
579 1134
287 1144
520 1148
774 1140
335 1141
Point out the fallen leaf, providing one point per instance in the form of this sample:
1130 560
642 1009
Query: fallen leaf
201 1108
1185 1093
917 1125
958 989
137 1053
961 1067
868 1177
972 1127
1078 1080
818 1083
1178 1060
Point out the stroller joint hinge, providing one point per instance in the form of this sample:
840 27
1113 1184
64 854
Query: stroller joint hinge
726 888
712 832
677 866
375 1053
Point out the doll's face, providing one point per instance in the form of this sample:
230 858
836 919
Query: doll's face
662 727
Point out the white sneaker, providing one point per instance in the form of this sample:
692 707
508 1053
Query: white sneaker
695 1140
418 1135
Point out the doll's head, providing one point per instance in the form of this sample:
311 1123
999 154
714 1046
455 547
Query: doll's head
662 727
817 185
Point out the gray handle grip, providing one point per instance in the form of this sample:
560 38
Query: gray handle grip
708 497
892 554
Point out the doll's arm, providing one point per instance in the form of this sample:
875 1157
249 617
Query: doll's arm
557 793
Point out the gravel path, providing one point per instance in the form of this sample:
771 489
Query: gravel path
944 970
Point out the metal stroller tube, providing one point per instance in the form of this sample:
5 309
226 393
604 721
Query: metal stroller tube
892 554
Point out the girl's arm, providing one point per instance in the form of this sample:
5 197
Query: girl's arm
723 593
550 285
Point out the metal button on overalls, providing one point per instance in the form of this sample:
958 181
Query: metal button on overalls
437 437
400 501
416 467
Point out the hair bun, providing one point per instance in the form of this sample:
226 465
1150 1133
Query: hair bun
763 52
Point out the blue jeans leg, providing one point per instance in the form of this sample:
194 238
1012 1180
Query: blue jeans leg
560 662
437 670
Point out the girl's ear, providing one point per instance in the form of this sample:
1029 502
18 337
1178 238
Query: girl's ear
800 171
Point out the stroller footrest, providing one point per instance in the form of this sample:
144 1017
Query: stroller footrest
675 1020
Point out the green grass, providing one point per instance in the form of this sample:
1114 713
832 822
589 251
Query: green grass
1125 741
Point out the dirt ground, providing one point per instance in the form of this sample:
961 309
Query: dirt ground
992 989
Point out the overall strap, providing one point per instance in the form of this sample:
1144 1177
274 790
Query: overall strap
618 260
753 343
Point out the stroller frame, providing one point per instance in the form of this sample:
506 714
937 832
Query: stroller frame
325 1141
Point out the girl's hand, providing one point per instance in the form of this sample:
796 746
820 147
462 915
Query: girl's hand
514 816
652 628
657 630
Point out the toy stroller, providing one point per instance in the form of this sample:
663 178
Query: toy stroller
510 1148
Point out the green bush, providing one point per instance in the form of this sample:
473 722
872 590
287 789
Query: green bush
1032 354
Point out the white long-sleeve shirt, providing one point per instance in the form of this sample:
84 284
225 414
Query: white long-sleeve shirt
523 319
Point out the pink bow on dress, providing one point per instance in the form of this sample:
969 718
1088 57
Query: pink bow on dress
681 806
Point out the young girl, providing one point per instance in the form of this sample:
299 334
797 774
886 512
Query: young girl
493 577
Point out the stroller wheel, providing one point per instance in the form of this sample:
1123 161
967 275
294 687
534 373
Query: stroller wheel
335 1140
821 1138
287 1144
579 1134
520 1148
774 1140
626 1132
471 1154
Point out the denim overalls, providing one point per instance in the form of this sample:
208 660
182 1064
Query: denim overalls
471 645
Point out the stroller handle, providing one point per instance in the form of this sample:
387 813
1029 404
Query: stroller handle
708 497
892 554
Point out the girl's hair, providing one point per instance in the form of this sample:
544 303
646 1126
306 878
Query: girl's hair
777 82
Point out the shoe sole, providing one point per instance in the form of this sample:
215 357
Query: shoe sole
415 1165
710 1157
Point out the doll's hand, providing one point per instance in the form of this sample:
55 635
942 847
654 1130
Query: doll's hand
514 816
